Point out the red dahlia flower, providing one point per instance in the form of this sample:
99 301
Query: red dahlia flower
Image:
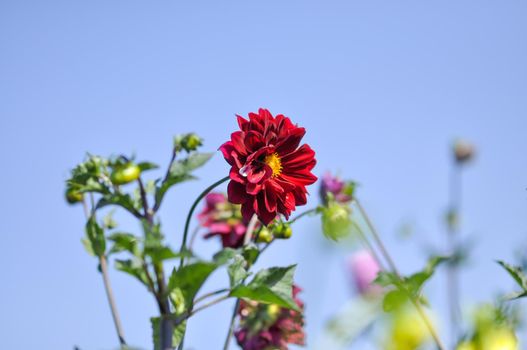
223 219
269 171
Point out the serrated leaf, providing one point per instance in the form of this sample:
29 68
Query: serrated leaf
237 271
189 279
133 268
270 286
171 181
225 255
516 273
95 235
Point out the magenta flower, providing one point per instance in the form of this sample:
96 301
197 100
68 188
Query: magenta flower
265 327
223 219
364 269
340 190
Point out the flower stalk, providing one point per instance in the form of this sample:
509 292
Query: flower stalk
393 268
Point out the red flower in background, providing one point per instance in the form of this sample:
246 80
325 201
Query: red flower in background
269 171
265 326
223 219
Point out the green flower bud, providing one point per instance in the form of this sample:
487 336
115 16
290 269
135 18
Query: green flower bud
264 236
282 231
188 142
73 196
126 173
336 221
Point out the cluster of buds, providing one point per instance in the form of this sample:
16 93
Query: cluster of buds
188 142
268 326
223 219
277 229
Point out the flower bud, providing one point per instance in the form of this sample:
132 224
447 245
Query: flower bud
125 173
336 221
264 236
188 142
408 330
463 151
282 230
73 196
332 187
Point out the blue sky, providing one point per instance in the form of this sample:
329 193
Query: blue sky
382 87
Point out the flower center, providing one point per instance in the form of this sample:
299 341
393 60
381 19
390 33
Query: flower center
274 162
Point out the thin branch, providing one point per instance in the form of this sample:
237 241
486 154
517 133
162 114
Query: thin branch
157 204
111 300
307 212
231 326
106 280
210 294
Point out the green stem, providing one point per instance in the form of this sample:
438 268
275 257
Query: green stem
231 326
394 269
307 212
191 212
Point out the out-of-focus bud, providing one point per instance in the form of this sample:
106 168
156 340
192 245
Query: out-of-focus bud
466 345
73 196
336 220
188 142
125 173
499 338
463 151
282 230
408 330
265 235
364 269
340 190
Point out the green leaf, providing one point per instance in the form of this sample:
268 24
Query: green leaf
187 280
87 246
145 166
394 299
225 255
124 242
516 273
123 200
134 268
177 335
237 271
250 252
95 235
270 286
189 164
385 279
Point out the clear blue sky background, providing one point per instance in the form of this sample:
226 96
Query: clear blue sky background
382 87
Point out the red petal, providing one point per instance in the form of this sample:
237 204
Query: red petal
226 149
242 122
236 193
237 142
291 141
300 159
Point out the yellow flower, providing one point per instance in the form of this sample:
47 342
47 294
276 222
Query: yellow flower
466 345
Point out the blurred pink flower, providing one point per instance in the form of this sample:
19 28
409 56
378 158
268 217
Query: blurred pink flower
364 270
223 219
264 327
